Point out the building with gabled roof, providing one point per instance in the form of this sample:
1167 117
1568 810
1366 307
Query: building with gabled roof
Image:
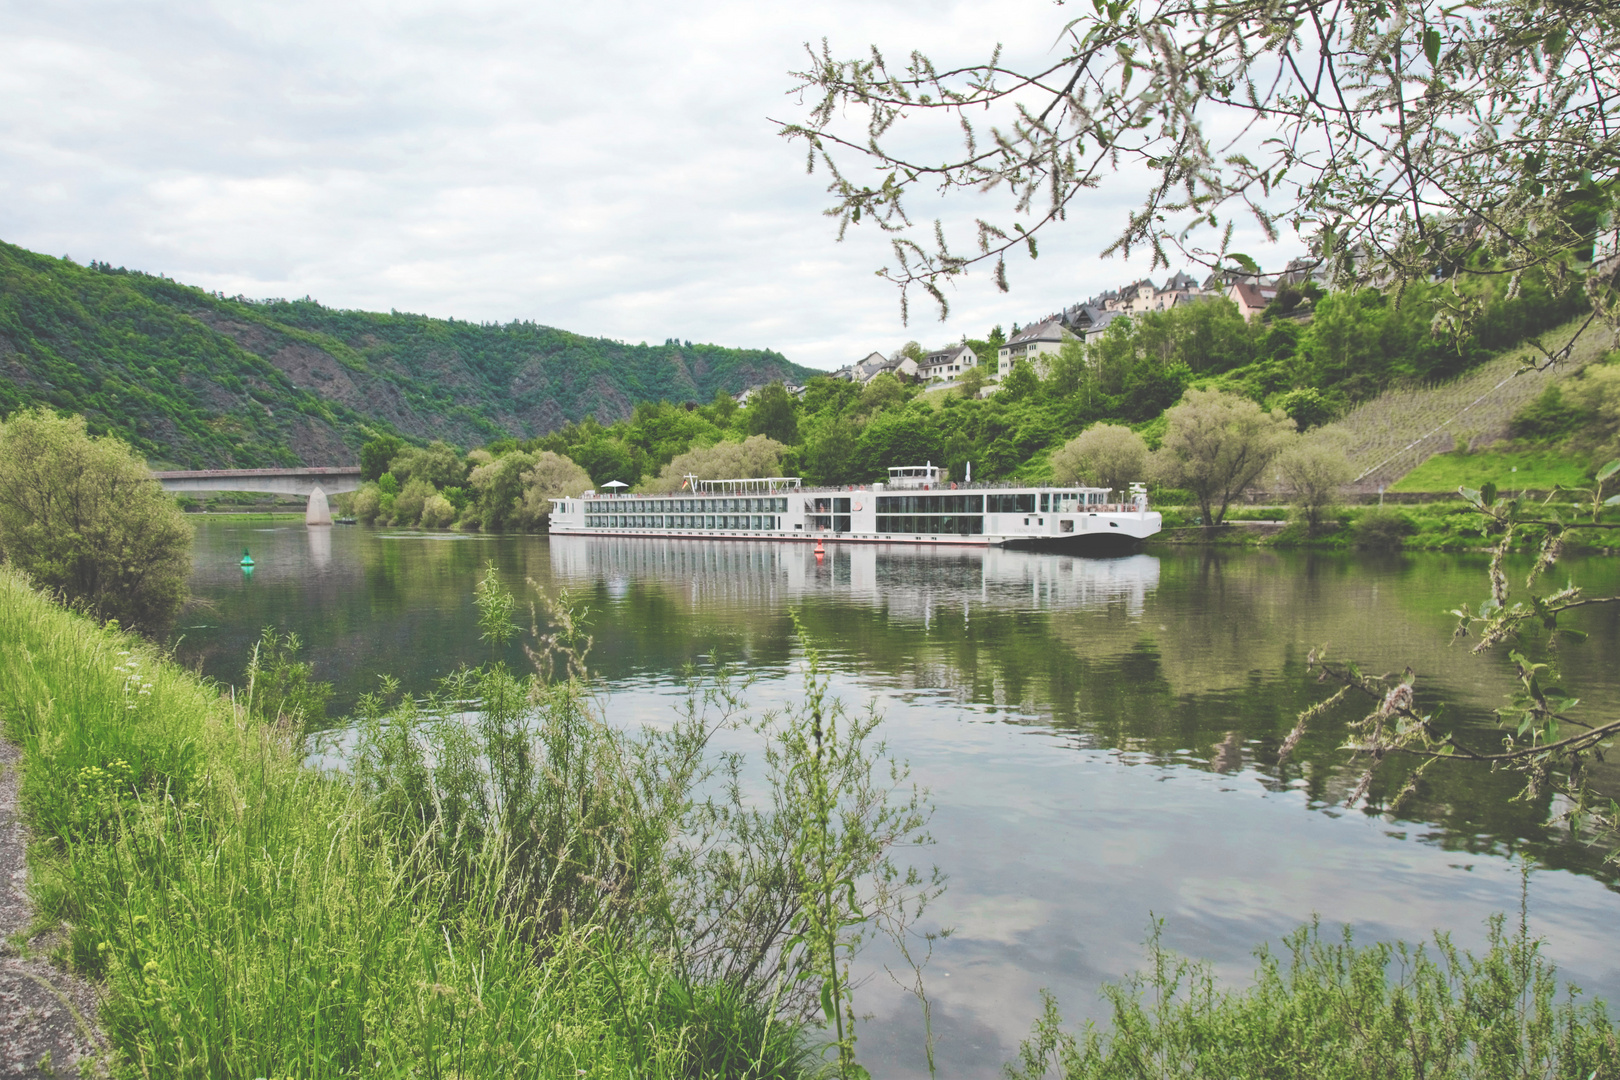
949 363
1033 342
1251 297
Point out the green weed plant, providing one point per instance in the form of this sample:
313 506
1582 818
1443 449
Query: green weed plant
1333 1010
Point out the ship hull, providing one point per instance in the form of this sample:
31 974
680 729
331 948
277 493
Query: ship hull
1100 544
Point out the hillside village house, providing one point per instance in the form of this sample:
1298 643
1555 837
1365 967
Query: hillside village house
743 397
1082 322
1251 297
949 363
1033 342
864 371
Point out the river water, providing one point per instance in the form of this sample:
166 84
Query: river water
1099 735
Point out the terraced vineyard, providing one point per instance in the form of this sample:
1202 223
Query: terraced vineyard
1398 430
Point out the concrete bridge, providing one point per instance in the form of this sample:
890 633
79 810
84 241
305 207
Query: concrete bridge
316 483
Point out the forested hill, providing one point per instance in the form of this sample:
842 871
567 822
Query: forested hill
195 380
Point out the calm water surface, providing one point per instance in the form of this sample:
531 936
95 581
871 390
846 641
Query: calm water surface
1099 735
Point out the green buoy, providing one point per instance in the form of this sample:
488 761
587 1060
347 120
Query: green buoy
247 560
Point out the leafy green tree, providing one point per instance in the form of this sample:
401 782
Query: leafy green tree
972 382
829 452
721 409
378 454
907 437
755 456
1315 468
824 396
498 492
1067 371
659 430
1019 383
606 460
437 463
1216 445
1152 387
438 512
1307 406
1106 455
366 503
552 477
84 516
411 499
771 413
881 394
1113 355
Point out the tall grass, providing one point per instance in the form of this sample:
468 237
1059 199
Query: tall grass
254 918
1333 1010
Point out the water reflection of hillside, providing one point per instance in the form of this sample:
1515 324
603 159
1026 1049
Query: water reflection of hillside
903 579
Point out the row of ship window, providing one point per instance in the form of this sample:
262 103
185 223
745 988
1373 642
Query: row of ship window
738 505
916 524
756 522
931 525
1060 502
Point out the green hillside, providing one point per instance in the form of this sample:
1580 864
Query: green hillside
197 380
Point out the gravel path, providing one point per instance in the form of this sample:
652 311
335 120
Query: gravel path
47 1017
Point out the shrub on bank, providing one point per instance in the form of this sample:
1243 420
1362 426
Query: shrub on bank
1382 529
84 517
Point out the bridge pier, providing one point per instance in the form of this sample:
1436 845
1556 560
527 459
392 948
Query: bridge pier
317 512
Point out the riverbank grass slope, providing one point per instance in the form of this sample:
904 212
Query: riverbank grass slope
248 919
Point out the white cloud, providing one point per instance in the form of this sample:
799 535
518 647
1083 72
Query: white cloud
610 169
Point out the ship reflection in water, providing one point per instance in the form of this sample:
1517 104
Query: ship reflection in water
905 579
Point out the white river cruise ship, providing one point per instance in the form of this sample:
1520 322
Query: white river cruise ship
915 506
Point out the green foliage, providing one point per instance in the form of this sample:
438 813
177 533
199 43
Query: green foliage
1332 1010
200 380
1382 529
377 454
771 413
1019 383
1315 469
1216 445
908 437
83 516
436 464
755 456
281 689
1307 406
606 460
498 489
1104 455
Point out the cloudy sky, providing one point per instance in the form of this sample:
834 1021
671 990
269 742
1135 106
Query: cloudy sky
610 169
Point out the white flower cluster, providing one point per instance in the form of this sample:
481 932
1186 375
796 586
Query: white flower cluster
135 684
